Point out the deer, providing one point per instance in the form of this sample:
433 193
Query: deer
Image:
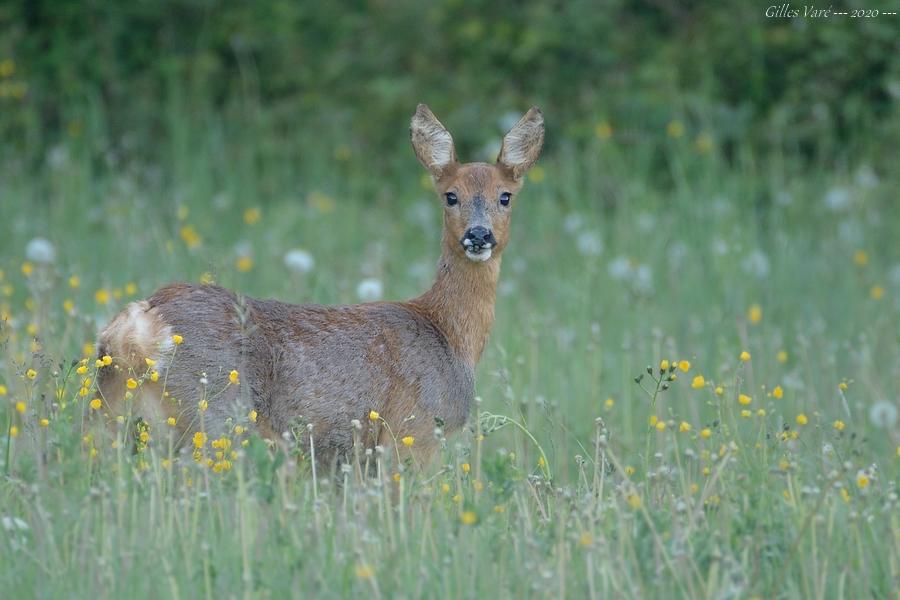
217 355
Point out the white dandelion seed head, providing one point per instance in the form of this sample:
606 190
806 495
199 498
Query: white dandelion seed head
645 222
589 243
784 198
572 222
58 157
643 279
619 267
837 199
883 414
851 231
894 274
756 263
299 261
866 177
370 289
41 251
243 248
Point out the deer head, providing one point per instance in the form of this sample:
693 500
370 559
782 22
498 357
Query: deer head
478 197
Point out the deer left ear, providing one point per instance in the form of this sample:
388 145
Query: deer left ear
522 145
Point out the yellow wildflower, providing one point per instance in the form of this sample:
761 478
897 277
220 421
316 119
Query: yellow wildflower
801 419
131 383
745 356
200 439
629 471
44 422
634 501
698 382
705 433
468 517
373 415
839 425
252 215
203 405
660 426
20 407
782 356
876 293
609 403
96 403
190 236
675 129
364 571
862 481
603 130
684 427
31 374
408 441
746 414
663 365
253 415
154 376
233 377
719 390
465 467
177 339
860 258
13 431
744 399
106 360
243 264
778 393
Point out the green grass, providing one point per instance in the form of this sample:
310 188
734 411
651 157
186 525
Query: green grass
751 511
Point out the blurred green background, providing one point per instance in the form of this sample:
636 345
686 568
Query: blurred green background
824 90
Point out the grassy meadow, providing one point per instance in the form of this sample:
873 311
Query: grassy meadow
690 390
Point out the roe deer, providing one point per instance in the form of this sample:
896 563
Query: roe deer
412 362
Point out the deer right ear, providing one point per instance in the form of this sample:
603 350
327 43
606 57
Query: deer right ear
432 142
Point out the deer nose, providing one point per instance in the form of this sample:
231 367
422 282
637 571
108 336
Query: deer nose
479 237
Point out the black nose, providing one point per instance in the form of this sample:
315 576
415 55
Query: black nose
479 237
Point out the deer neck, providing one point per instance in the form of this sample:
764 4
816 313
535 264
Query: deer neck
461 301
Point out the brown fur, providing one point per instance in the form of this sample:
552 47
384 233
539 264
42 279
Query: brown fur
413 362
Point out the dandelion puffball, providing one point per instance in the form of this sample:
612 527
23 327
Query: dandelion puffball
299 261
369 289
40 250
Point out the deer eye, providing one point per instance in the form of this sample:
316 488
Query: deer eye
504 198
451 199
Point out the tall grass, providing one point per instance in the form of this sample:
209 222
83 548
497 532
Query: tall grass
625 252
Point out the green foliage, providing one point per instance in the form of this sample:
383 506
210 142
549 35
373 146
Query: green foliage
822 86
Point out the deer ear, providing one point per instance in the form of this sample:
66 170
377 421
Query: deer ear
431 141
522 145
